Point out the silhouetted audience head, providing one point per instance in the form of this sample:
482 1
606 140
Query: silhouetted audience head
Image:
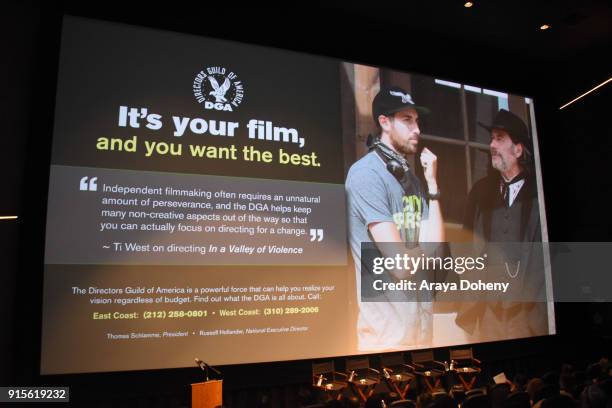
443 401
595 373
498 394
520 382
334 403
598 391
352 402
604 363
559 401
424 399
305 396
566 369
519 399
533 387
567 383
547 391
375 401
551 378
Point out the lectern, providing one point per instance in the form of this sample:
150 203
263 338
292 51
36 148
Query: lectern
207 394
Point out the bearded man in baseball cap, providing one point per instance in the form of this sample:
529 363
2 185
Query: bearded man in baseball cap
388 204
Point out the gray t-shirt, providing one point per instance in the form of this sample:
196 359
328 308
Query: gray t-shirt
375 195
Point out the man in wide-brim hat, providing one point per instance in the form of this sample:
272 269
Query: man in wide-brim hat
503 208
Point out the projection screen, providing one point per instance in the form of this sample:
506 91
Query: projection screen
199 205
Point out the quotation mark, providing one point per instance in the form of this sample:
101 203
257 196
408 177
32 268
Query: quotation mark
316 234
90 185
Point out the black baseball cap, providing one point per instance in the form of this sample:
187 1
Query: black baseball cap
392 99
508 121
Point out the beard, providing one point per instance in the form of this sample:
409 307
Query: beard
406 149
498 162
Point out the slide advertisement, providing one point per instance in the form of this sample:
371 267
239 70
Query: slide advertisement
205 200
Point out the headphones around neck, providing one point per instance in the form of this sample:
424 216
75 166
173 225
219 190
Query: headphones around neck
396 164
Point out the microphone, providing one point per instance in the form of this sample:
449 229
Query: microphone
214 369
205 366
200 363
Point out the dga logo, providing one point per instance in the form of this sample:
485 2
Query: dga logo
217 88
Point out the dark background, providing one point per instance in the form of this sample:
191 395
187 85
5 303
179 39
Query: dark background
496 45
104 66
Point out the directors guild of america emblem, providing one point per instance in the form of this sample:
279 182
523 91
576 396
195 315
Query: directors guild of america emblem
218 88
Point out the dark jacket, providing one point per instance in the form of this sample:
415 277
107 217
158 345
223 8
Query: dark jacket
486 209
485 202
